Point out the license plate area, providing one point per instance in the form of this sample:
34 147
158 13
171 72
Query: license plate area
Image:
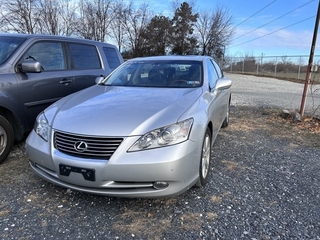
88 174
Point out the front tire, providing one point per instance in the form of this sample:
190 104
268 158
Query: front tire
6 138
226 120
204 167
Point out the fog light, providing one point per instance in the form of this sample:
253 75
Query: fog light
160 185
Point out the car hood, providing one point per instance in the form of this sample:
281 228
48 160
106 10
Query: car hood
120 111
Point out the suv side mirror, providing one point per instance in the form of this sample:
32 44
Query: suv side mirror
31 66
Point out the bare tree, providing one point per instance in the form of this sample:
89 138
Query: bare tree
95 19
134 22
285 60
20 16
49 18
56 17
215 31
120 21
68 17
117 31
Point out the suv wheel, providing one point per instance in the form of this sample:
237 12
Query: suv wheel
6 138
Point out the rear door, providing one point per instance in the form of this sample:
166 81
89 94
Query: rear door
39 90
86 64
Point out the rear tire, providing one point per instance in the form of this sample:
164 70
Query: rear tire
6 138
204 168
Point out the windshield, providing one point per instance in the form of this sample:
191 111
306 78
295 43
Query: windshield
158 73
7 46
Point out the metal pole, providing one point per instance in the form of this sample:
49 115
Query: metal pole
306 83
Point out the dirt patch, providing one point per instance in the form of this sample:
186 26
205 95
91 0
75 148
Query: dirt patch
308 128
305 132
307 123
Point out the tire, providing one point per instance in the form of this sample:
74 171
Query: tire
204 167
6 138
226 120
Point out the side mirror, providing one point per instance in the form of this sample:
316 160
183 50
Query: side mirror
31 66
99 80
223 83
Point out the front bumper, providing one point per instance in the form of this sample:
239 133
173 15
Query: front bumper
125 174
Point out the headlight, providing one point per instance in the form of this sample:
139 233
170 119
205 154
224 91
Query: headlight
42 127
166 136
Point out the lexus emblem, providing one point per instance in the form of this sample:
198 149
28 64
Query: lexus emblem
80 146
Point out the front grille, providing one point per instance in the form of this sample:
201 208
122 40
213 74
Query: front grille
88 146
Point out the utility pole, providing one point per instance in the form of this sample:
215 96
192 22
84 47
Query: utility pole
313 45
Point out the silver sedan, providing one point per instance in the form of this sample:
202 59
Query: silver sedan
146 130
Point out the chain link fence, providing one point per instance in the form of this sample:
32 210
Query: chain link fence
293 68
285 67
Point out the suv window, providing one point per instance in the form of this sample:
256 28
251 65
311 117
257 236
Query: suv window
84 56
112 57
7 47
49 54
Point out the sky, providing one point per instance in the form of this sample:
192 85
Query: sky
265 27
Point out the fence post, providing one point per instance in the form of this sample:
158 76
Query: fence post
299 70
261 61
243 65
275 67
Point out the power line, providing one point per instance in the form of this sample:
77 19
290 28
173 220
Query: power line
238 5
275 19
256 12
273 31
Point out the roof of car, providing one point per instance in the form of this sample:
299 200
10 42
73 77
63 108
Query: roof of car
173 57
53 37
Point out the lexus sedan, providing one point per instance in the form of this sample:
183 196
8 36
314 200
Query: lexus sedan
146 130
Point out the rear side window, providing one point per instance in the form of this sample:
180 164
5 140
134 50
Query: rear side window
48 53
84 56
112 57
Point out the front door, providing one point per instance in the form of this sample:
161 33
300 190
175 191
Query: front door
39 90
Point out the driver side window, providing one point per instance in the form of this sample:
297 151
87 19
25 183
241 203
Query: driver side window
49 54
212 75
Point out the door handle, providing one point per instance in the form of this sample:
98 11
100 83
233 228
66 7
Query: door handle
66 81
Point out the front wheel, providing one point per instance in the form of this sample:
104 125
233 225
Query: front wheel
6 138
226 120
204 167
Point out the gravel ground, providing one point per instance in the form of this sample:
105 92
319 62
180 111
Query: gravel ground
264 184
271 92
